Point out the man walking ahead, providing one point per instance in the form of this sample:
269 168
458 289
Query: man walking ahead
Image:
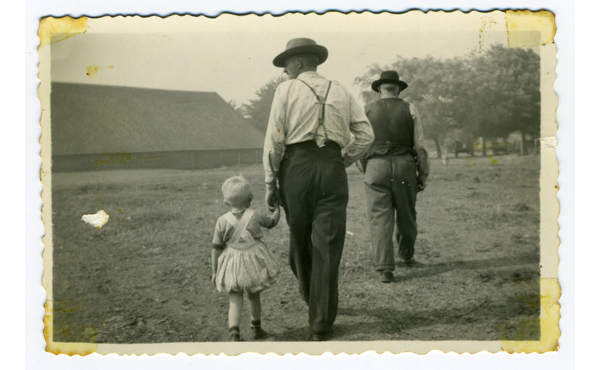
307 148
395 168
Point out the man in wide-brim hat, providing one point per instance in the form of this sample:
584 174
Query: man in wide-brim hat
395 168
307 149
389 77
301 46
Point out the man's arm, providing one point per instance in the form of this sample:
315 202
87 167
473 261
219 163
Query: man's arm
274 139
362 130
273 148
422 156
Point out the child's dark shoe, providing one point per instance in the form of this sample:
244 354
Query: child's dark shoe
234 334
257 333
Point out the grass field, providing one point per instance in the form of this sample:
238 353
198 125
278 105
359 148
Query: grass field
144 276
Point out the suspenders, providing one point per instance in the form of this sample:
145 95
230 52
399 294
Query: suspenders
321 100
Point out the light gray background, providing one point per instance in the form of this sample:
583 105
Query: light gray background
22 182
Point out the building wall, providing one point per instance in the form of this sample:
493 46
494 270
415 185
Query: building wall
182 160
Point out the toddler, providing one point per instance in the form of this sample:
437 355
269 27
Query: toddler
241 262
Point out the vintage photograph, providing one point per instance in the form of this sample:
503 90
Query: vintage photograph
350 182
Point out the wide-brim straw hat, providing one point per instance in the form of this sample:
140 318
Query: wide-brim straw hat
388 77
301 46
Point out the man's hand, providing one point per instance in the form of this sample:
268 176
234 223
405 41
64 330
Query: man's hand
347 162
422 184
361 164
272 196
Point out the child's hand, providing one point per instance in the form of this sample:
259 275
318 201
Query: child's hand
276 214
213 280
276 210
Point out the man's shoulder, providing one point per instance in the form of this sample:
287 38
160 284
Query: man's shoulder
402 101
311 81
396 101
411 106
373 105
318 78
342 87
407 105
387 104
295 83
285 85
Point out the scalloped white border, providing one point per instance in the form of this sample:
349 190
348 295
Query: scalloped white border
37 8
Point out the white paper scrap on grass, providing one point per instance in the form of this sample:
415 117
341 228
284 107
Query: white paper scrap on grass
97 220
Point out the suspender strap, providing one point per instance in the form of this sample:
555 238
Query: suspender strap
322 100
322 103
240 225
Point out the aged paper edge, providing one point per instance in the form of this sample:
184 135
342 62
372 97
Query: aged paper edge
57 29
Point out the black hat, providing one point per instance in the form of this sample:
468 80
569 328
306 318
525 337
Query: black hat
389 77
301 46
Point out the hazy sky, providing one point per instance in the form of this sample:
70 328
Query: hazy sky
233 55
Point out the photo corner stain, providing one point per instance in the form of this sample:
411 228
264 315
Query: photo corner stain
548 322
53 29
527 28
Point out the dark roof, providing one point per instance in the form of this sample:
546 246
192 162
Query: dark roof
88 119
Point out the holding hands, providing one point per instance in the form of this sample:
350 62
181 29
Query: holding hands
422 184
272 196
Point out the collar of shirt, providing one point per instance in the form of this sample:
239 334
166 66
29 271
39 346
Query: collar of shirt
308 75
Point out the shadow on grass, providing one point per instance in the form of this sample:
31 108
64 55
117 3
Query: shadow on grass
421 270
515 319
394 324
486 321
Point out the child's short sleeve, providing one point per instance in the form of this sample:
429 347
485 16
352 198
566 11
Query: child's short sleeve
218 238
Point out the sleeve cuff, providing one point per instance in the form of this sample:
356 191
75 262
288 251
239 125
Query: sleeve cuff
270 177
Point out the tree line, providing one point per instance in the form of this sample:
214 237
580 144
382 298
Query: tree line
477 97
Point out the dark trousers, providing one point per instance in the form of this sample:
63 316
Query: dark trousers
391 194
314 192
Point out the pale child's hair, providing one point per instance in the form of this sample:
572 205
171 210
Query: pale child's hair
236 191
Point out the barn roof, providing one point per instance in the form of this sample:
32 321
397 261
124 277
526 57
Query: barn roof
89 119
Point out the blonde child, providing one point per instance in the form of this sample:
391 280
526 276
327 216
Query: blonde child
240 260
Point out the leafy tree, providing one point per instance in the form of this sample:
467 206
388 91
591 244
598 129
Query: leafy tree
259 108
521 80
504 93
485 95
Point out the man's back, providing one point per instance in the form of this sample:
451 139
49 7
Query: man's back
301 108
392 121
295 114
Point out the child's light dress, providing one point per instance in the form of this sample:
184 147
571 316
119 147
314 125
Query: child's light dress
246 263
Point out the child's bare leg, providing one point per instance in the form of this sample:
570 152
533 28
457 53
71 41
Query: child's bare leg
236 303
255 307
255 312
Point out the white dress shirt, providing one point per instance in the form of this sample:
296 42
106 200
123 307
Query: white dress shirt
295 118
